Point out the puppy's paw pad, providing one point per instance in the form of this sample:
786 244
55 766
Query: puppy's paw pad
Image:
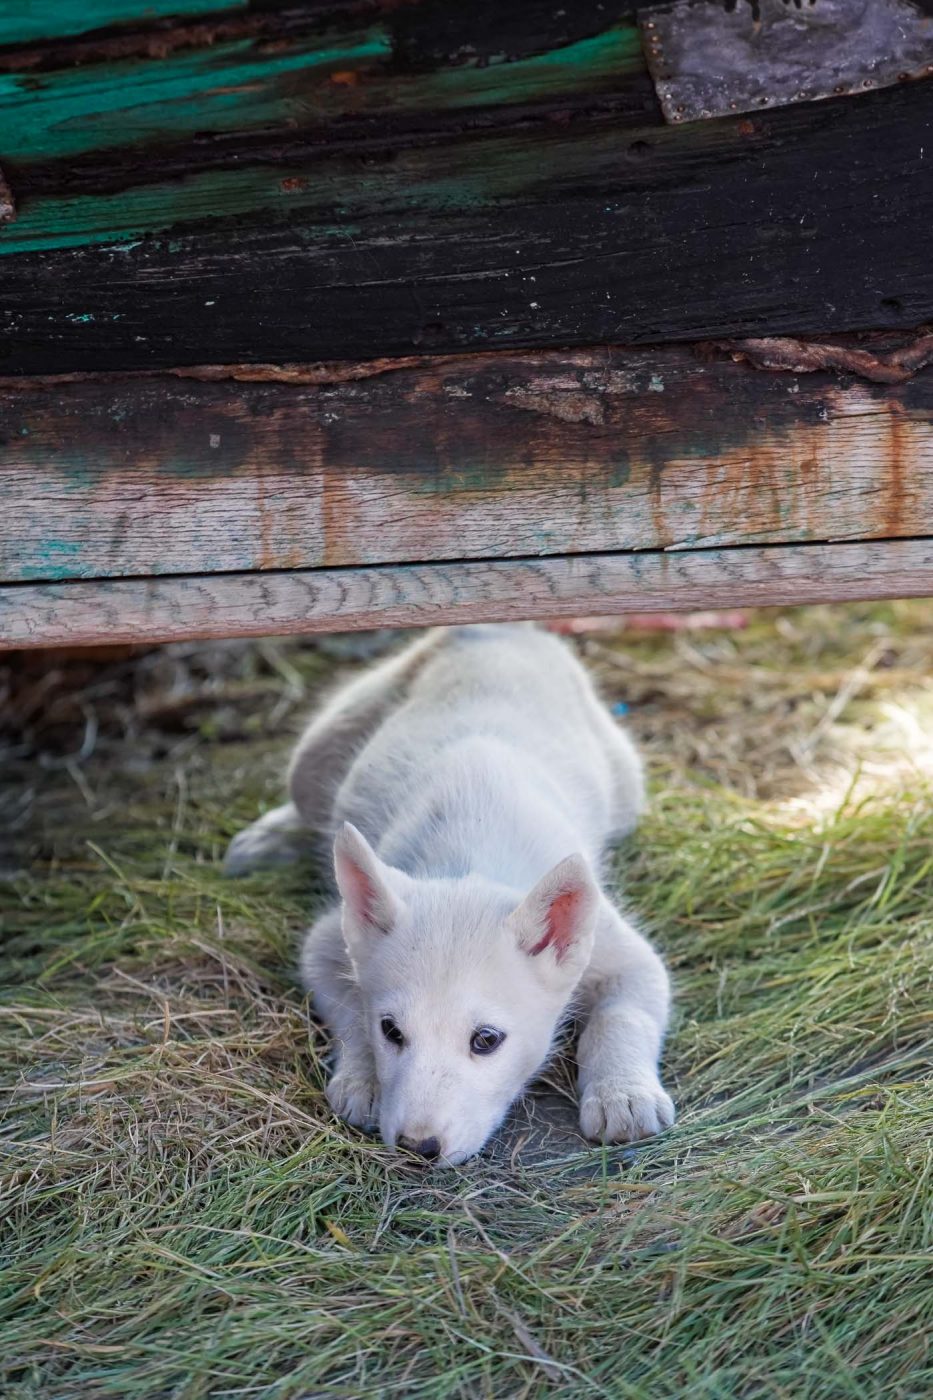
354 1097
622 1111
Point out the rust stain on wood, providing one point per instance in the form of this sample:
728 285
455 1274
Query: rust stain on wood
288 481
460 457
899 503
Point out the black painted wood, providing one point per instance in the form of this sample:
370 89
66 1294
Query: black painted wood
572 220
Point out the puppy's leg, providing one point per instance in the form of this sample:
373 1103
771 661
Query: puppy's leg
628 779
333 738
277 838
621 1096
320 762
317 767
353 1089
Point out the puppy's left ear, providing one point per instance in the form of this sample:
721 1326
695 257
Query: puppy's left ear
555 922
370 903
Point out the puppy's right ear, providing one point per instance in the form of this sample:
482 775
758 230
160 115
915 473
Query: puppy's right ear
554 924
369 904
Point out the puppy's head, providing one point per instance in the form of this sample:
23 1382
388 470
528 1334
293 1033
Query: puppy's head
463 989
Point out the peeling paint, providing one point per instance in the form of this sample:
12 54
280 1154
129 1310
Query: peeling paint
882 365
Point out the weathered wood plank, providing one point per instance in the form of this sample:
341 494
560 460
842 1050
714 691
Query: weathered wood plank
452 458
46 19
320 194
273 204
338 79
153 610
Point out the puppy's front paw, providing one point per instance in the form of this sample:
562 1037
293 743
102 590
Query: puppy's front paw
620 1110
353 1094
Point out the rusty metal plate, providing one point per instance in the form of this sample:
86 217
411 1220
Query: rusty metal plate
712 57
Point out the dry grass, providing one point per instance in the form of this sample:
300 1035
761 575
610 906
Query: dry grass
181 1217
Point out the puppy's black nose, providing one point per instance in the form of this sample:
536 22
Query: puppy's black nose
428 1148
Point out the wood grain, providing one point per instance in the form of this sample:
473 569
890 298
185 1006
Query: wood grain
154 610
468 457
38 19
363 178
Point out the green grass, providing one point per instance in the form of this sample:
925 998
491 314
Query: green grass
182 1217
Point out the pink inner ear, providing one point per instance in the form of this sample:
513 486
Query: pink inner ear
364 896
562 923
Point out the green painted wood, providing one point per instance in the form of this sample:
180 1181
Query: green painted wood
236 86
325 191
62 114
25 21
49 118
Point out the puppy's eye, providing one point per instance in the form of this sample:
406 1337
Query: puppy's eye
485 1039
390 1030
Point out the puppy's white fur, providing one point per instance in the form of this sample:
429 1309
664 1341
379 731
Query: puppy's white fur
472 784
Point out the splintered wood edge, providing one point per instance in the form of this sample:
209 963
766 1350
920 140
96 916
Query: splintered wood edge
326 600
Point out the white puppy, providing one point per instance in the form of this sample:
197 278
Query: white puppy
473 782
